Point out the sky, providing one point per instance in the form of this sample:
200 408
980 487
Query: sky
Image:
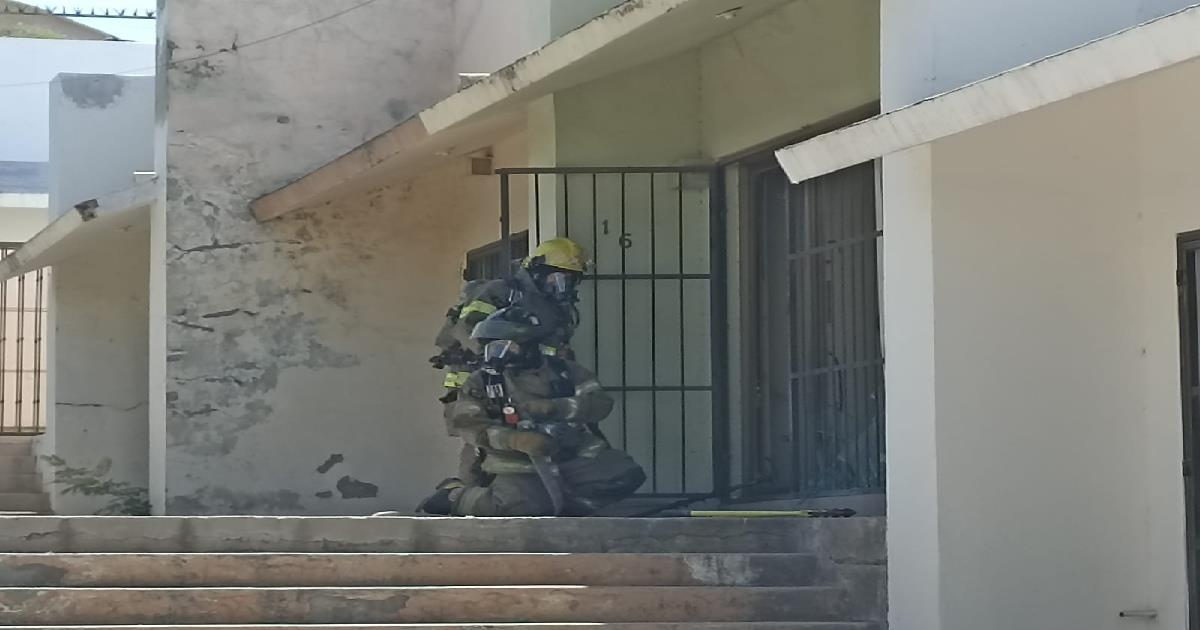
133 30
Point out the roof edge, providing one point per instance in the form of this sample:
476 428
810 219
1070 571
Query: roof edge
456 108
1126 54
555 56
296 194
38 251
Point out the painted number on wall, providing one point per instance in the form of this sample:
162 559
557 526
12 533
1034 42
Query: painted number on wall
626 239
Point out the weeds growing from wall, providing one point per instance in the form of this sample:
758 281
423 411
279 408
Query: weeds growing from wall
124 498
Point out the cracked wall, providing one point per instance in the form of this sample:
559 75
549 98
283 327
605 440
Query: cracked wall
98 347
316 397
291 340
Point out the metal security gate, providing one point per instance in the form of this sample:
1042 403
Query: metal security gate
1188 280
652 308
22 351
816 425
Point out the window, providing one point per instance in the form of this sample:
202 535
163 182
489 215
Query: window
487 262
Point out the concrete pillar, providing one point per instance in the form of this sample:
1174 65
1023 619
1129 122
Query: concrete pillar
275 370
542 135
914 553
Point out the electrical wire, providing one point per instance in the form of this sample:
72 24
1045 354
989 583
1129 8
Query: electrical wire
233 48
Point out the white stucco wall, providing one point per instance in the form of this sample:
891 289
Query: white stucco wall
794 67
797 66
931 46
33 63
1031 264
566 15
98 357
914 553
646 116
21 216
101 131
489 35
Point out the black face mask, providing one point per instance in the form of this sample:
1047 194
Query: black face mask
502 353
561 286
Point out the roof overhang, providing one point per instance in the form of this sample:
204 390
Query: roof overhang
1145 48
629 35
84 229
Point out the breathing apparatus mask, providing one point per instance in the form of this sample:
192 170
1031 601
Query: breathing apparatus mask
509 338
561 286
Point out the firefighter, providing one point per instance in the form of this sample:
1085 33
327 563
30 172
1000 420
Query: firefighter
545 284
524 404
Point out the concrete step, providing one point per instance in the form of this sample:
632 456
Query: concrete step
689 625
861 537
23 483
439 604
17 465
36 502
254 569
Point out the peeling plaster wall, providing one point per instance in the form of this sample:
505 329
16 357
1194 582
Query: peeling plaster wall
101 131
282 338
344 419
98 355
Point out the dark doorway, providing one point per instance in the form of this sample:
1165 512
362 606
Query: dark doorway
817 397
1189 334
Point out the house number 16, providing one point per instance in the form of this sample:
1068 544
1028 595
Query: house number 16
626 239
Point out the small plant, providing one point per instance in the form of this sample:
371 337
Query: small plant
125 499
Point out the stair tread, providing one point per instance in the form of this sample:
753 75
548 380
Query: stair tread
365 534
449 587
703 625
415 605
400 554
148 570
